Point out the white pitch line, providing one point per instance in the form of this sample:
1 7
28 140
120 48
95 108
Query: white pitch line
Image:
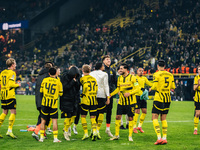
178 121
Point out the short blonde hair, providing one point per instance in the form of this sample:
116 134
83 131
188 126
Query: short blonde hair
10 62
86 68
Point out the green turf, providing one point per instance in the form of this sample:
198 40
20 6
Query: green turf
180 131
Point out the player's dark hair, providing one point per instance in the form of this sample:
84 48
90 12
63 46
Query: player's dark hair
125 66
161 63
98 65
48 64
52 71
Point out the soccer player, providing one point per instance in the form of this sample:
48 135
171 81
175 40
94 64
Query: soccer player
112 81
38 97
128 87
8 100
50 122
163 82
141 104
89 101
51 89
197 100
68 102
102 95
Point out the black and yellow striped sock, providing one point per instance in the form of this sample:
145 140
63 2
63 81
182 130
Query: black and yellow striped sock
164 129
2 118
157 128
100 120
84 125
196 122
142 117
11 121
117 126
55 134
94 125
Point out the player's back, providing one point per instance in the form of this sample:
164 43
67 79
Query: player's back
51 89
7 76
89 88
165 82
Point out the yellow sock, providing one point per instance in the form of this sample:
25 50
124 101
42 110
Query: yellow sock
130 128
117 126
2 118
94 124
196 122
100 120
67 124
142 117
11 121
49 125
55 134
84 125
164 129
157 128
72 120
135 119
42 134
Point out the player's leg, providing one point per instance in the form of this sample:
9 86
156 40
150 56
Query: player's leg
11 123
77 119
156 110
137 113
84 111
12 108
49 126
108 117
67 120
55 128
196 118
164 128
143 115
117 122
2 118
93 113
130 113
37 129
42 129
101 109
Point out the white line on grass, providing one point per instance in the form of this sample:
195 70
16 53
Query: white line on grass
178 121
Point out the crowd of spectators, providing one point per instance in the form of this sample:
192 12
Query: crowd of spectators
171 30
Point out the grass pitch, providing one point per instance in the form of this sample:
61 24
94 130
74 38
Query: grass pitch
180 131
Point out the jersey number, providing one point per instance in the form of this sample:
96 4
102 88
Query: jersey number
50 88
4 80
91 85
166 82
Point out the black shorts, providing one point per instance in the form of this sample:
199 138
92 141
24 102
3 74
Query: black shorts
160 108
140 103
91 108
126 109
49 112
101 107
8 104
197 105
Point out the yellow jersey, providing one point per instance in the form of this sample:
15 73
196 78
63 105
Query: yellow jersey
51 89
163 82
90 88
197 92
8 85
126 84
142 81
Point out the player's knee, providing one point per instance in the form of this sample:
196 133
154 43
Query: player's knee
137 111
144 111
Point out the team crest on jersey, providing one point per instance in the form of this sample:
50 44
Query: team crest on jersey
132 109
111 72
136 106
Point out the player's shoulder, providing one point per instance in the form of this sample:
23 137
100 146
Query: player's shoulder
197 76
